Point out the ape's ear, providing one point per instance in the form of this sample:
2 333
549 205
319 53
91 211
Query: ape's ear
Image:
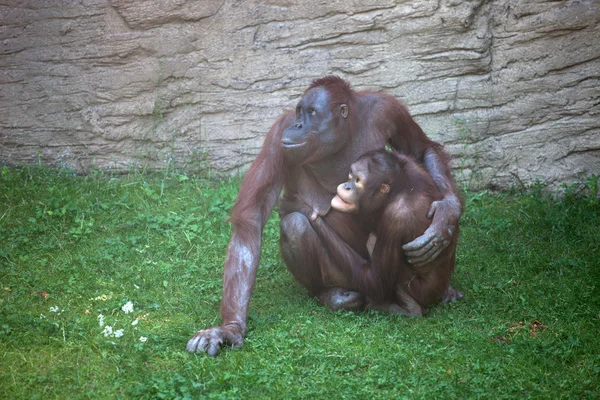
385 188
344 110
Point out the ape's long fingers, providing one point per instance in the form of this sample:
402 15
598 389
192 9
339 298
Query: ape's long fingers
427 257
412 252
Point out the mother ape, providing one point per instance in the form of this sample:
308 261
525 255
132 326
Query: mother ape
307 153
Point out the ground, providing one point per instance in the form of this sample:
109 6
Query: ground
146 253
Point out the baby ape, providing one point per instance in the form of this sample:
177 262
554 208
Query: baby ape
392 194
306 154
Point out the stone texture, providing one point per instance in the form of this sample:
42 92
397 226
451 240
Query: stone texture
511 87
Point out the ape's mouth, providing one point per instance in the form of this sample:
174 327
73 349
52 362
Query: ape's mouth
337 203
292 145
341 199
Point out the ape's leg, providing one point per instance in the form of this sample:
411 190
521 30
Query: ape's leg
307 257
408 304
452 294
404 305
341 299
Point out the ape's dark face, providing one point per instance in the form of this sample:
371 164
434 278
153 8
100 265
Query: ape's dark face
318 130
365 191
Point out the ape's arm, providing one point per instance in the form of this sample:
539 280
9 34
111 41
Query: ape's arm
259 191
446 212
409 139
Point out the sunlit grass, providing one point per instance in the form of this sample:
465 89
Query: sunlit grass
73 248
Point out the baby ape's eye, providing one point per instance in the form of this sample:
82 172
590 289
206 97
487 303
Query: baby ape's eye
357 180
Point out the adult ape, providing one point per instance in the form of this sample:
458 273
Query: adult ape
391 194
307 153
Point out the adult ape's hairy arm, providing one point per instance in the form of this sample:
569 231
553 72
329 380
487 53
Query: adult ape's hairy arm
408 138
257 196
445 212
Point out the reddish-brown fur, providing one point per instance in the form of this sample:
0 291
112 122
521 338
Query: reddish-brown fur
348 124
399 220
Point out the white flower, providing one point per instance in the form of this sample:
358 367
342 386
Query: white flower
103 297
127 307
108 331
42 316
54 309
143 339
101 320
135 322
119 333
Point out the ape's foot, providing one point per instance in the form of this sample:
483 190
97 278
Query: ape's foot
451 295
342 299
394 308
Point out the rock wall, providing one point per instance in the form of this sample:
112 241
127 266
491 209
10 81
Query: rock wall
511 87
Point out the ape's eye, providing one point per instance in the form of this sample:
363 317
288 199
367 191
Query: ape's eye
357 180
312 111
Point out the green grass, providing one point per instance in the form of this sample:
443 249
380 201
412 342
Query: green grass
529 325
